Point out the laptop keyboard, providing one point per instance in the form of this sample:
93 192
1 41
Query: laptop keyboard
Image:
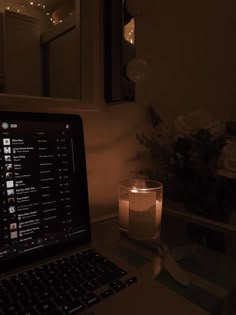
65 286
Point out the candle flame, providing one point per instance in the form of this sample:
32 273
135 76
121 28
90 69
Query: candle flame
134 190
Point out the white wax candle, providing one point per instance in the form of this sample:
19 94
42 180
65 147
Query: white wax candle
142 215
124 213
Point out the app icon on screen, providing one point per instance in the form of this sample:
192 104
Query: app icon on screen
6 141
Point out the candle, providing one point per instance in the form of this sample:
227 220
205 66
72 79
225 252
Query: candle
143 216
124 214
140 208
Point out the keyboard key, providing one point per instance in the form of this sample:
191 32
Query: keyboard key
74 307
90 299
121 272
77 292
30 311
13 308
63 286
108 277
117 285
46 307
62 299
106 293
131 280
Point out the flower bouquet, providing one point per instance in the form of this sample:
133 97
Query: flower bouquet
196 160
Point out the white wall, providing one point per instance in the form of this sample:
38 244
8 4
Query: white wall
63 53
187 70
191 49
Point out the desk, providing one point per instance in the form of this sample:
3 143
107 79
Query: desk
213 276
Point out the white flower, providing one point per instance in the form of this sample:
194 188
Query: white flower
187 125
228 160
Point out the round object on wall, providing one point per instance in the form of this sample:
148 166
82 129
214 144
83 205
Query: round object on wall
137 70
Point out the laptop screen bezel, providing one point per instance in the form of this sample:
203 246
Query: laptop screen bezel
78 135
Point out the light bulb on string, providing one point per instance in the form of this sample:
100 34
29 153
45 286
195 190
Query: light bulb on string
37 5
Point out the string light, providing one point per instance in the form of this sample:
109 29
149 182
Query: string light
39 6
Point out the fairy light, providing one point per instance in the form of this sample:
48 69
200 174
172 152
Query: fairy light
39 6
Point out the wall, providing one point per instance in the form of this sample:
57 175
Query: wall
189 67
63 62
191 49
22 59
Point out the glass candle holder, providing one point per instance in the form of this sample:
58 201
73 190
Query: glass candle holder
140 208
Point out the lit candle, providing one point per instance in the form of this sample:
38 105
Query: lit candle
141 202
124 211
142 214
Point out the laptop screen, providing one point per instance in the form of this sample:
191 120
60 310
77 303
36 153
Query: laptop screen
43 198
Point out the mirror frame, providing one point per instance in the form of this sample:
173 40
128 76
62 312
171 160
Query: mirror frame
92 71
117 53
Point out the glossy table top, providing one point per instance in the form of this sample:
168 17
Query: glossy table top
211 274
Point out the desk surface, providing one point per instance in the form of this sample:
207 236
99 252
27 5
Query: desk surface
212 274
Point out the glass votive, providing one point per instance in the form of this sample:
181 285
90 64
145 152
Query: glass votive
140 208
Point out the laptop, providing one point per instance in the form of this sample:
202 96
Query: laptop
48 264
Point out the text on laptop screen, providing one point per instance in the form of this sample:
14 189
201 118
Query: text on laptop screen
39 186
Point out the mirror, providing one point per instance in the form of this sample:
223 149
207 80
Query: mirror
40 48
119 39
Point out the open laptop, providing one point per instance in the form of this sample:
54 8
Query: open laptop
47 262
